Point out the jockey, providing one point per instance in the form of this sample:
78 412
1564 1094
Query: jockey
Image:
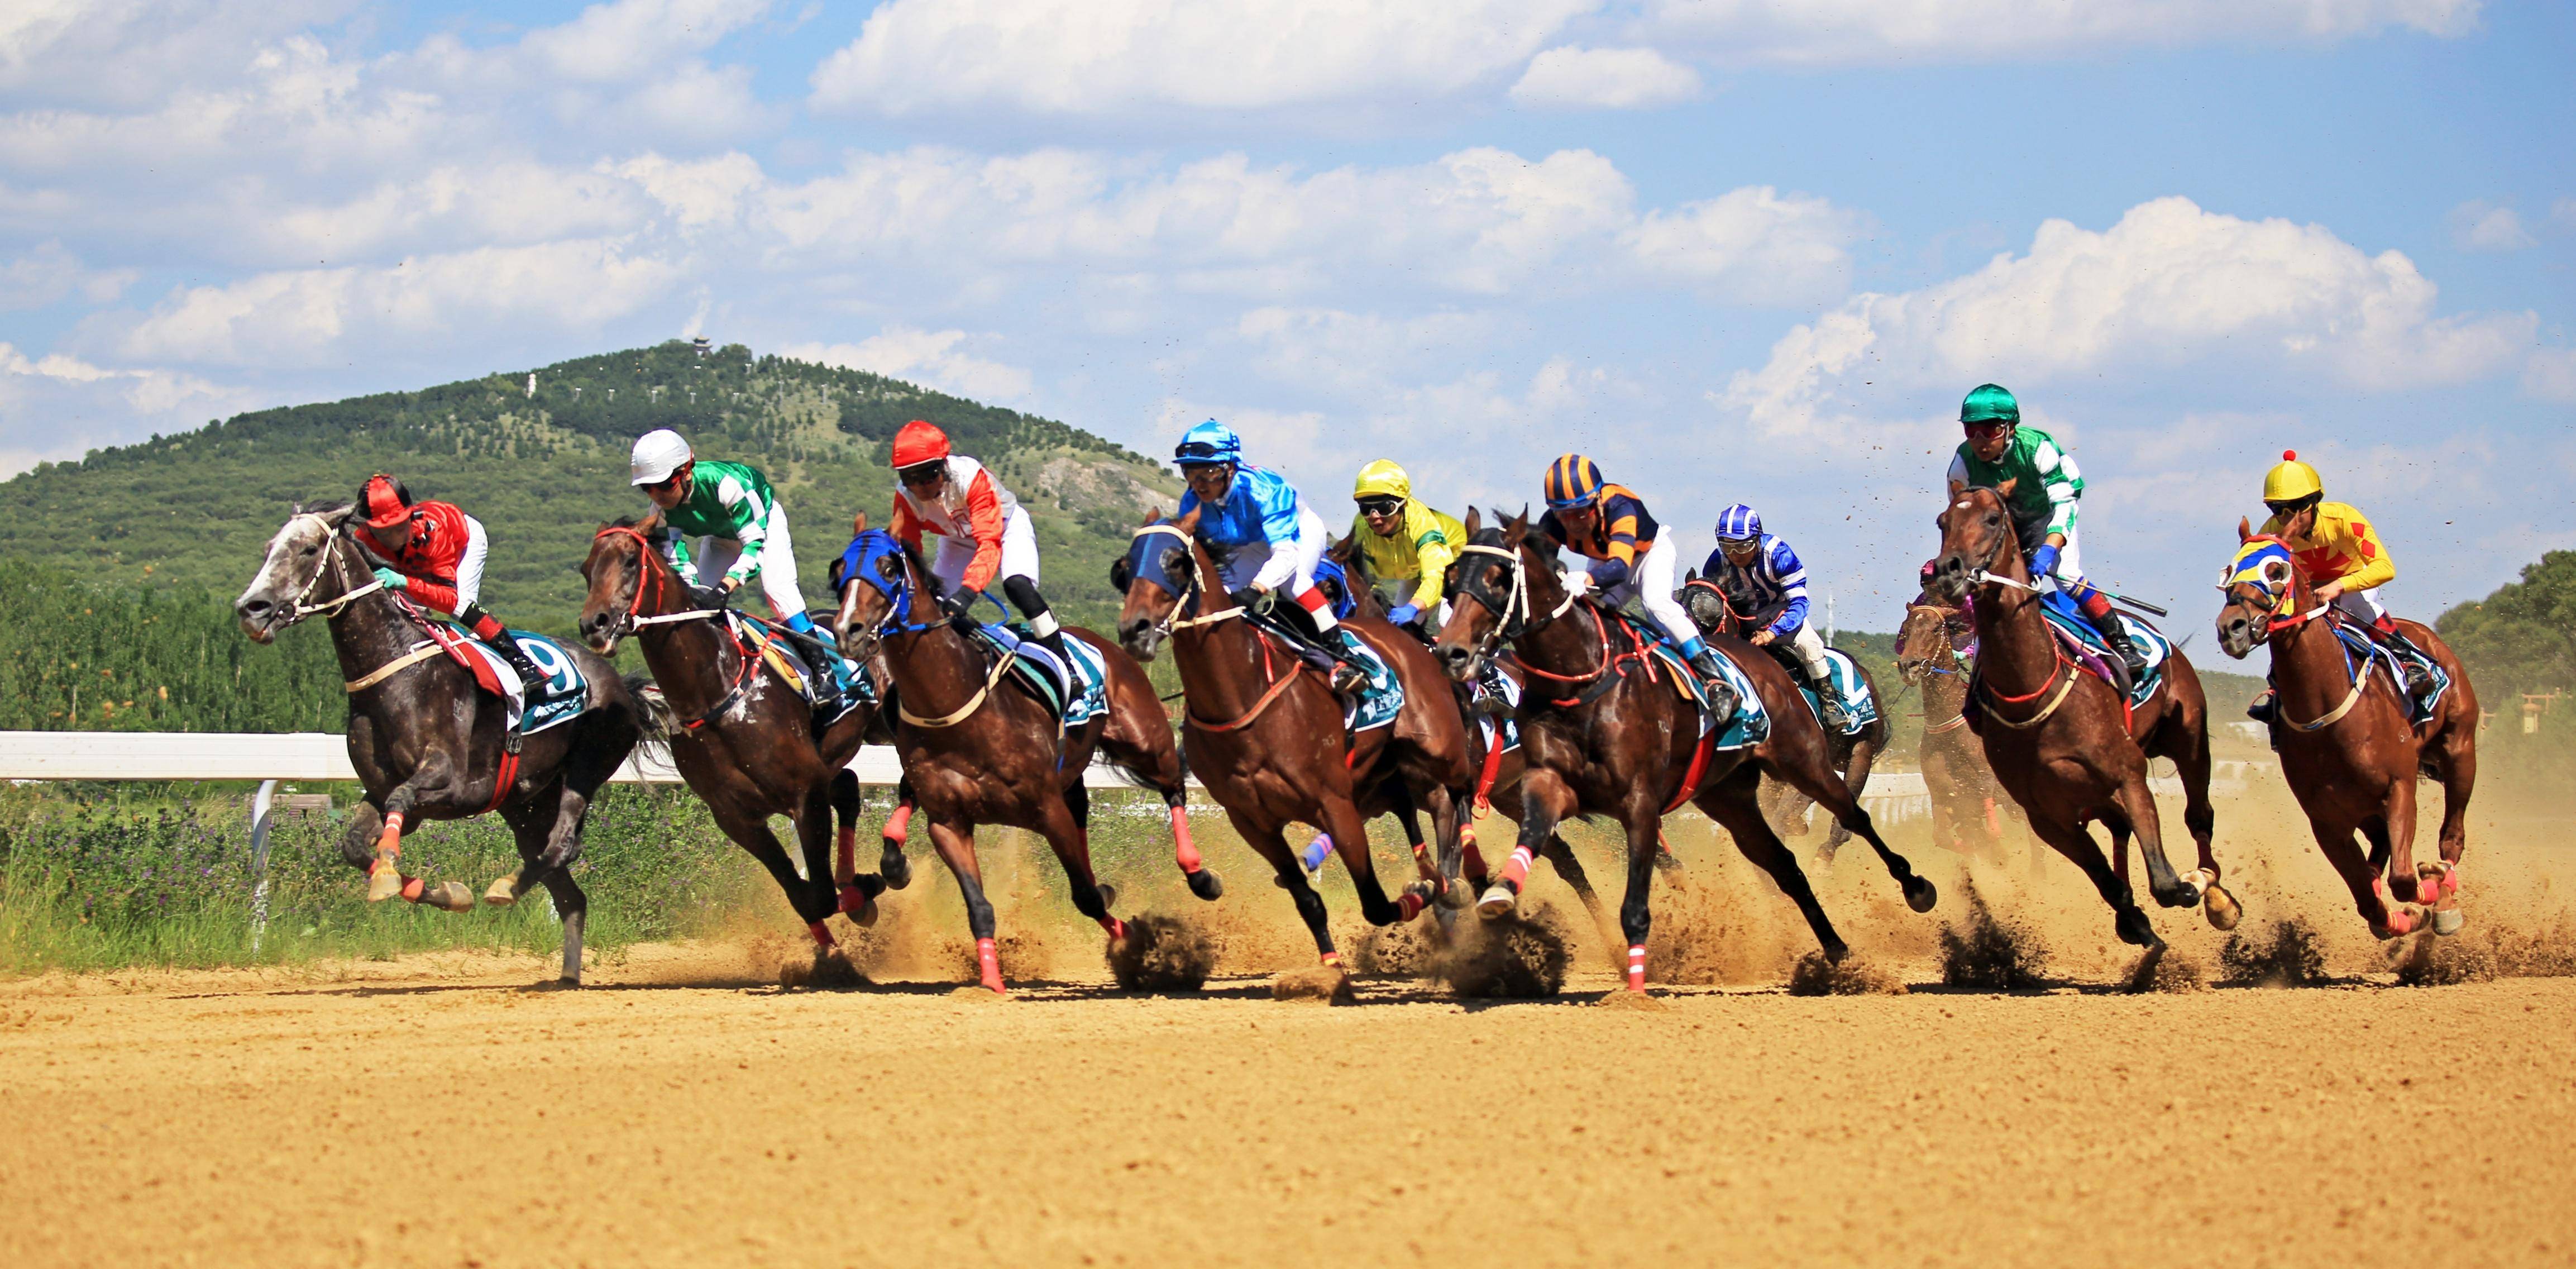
1608 526
1762 579
2342 556
437 552
730 507
1404 540
984 533
2045 491
1264 536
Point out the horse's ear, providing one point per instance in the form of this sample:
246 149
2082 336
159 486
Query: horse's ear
2244 530
1517 529
2005 490
1689 575
1474 522
1152 516
337 518
858 524
651 524
1957 487
1189 524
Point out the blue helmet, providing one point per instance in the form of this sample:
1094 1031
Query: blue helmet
1207 445
1739 523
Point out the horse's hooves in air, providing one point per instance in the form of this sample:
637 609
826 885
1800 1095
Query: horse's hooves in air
2403 919
384 881
1920 893
858 905
449 896
1498 901
1108 895
2448 923
1452 895
1205 885
2220 907
2135 929
503 891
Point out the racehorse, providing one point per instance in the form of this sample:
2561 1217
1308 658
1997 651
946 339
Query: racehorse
2347 746
1610 734
428 744
1966 800
980 752
1266 735
2066 744
745 741
1853 754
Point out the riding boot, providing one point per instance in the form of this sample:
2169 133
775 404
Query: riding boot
1829 703
530 677
1721 694
1489 694
2419 683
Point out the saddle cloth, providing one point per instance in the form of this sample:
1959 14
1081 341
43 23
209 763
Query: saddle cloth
845 687
1073 695
1750 725
2084 645
2365 652
559 699
1382 698
1860 707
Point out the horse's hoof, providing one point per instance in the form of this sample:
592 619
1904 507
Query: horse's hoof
503 891
896 869
384 881
1921 894
2220 907
2448 922
1837 951
858 905
1499 900
1453 895
2403 919
2134 928
1205 885
449 896
1108 895
2182 894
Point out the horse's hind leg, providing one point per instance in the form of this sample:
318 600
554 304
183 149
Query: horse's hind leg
2138 803
1267 842
2457 768
1066 826
549 833
827 805
1350 840
1735 804
574 908
1837 799
2388 919
956 848
752 834
891 863
2127 918
2190 754
1546 801
846 806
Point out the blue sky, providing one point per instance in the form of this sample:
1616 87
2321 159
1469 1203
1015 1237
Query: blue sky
1748 249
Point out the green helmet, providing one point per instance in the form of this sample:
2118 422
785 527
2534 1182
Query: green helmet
1988 404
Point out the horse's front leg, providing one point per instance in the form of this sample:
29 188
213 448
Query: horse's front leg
1636 916
1065 823
1546 801
956 846
2138 803
435 782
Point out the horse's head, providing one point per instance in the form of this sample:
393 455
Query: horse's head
1159 573
1706 605
2261 581
1498 580
624 577
292 573
1976 538
1923 643
871 582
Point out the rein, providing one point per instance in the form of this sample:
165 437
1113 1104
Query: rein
745 661
1514 611
2275 621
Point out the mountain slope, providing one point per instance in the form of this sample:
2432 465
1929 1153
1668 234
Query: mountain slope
543 469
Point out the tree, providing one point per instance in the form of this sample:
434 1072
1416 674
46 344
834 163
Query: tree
2522 638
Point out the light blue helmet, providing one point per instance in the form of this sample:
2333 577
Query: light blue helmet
1739 523
1207 445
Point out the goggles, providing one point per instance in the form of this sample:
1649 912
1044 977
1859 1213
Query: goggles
1987 428
1381 506
1737 546
1205 452
923 473
2293 506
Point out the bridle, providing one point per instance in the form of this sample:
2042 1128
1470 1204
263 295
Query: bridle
330 564
1190 594
635 619
2274 622
1514 609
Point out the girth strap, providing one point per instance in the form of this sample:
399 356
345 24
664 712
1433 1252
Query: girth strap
424 650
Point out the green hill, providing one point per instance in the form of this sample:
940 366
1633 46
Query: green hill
542 469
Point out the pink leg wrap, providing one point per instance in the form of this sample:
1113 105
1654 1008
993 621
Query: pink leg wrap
1637 967
988 964
898 823
845 863
413 889
1332 958
1184 851
822 934
1516 869
1408 906
1117 929
853 900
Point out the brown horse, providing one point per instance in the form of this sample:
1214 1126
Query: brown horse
2347 747
1968 807
1266 736
978 751
1607 731
428 744
2063 742
746 742
1853 753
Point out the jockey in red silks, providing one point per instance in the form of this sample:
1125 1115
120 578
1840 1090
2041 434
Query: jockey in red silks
436 554
984 533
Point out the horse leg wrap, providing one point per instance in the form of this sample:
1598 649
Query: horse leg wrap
1471 862
384 878
1516 869
1408 906
1636 967
389 841
1316 852
899 824
988 964
845 862
1115 928
1184 851
822 936
1332 960
413 888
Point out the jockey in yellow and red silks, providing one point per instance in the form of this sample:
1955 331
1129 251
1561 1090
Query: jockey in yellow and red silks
2341 554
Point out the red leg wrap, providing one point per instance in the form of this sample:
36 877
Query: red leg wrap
1471 862
1332 958
1408 906
1184 851
413 889
988 964
1116 928
1637 967
822 934
1516 869
898 823
389 842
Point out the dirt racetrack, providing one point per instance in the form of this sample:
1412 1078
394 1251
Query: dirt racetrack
686 1110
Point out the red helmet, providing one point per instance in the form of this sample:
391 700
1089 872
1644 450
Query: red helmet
918 442
384 501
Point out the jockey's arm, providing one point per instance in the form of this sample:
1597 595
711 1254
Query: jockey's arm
1793 587
675 552
751 528
2058 475
984 521
1433 553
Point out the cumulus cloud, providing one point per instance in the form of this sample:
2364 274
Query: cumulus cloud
2550 375
1130 57
2477 225
2169 287
57 406
1575 77
932 358
48 274
1832 32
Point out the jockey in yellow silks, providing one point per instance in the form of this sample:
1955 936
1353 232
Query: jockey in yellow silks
2342 556
1404 540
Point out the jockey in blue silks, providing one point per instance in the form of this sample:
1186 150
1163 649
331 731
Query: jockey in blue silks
1264 537
1766 586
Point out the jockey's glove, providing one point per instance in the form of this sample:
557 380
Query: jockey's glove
961 602
1405 614
1577 581
2043 562
1257 602
392 579
709 597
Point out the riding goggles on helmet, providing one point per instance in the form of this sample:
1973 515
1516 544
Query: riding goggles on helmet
2293 506
1201 452
1381 506
921 473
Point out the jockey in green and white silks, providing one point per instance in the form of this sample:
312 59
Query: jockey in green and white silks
2046 489
736 517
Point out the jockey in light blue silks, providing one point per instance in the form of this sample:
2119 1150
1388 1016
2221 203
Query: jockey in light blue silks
1264 537
1766 586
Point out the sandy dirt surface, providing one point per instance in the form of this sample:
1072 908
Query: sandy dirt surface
685 1109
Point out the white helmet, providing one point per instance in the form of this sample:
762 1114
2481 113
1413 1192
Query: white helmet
658 453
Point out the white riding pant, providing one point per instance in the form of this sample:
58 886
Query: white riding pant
1290 572
1809 648
776 575
1019 553
2362 604
2070 558
1650 581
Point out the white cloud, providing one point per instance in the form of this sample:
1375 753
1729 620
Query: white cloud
129 52
931 358
1604 78
2169 288
2482 226
48 274
632 39
1833 32
1751 246
1134 57
2550 375
58 407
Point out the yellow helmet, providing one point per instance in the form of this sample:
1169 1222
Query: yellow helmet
2291 480
1383 479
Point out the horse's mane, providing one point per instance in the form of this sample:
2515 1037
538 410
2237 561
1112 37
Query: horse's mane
661 528
327 507
930 583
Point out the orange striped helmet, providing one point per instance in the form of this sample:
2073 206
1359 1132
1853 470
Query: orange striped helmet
1572 481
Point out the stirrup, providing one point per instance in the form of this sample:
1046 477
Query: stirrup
2265 708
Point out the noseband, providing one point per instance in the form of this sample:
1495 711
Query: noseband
330 564
1189 596
1514 607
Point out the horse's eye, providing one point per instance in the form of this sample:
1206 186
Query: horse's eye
886 567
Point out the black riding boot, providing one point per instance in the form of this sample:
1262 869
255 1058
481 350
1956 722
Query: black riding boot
2410 658
1828 701
1721 694
2115 636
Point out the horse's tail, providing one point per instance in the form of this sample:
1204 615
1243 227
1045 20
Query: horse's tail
652 713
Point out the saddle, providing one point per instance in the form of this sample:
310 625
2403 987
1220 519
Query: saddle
842 686
528 708
1072 694
2364 654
